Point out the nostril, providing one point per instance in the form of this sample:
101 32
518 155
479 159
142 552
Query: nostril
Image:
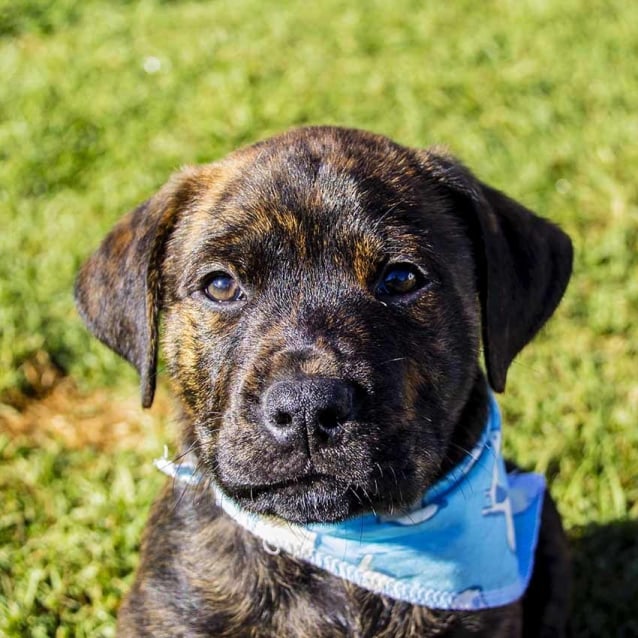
282 418
329 419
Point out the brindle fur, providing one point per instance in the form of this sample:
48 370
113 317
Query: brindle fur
306 221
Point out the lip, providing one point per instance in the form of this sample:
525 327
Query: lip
308 498
303 481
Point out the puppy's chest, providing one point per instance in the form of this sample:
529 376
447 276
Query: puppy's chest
242 589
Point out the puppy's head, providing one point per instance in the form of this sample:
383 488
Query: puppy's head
325 293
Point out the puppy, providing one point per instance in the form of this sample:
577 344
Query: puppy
325 294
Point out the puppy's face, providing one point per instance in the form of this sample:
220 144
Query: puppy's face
322 319
322 328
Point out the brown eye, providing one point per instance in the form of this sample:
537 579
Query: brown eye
223 288
400 279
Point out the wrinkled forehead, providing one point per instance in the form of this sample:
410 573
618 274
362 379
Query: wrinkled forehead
326 200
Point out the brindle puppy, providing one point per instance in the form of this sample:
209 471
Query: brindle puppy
324 293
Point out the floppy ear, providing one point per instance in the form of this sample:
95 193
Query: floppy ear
118 289
523 261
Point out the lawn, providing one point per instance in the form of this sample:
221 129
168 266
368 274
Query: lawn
100 101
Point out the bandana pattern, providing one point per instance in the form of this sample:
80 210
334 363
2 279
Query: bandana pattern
468 545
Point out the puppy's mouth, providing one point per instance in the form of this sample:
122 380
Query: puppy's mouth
314 450
302 482
309 498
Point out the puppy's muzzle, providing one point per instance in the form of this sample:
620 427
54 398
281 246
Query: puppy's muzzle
308 410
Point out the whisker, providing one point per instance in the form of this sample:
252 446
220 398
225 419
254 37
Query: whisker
393 360
193 446
363 489
394 474
456 446
377 223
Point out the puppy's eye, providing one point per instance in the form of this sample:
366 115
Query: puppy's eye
223 288
400 279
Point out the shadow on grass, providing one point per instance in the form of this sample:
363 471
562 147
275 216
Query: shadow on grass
605 580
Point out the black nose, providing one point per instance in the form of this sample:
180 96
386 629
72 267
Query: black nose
307 407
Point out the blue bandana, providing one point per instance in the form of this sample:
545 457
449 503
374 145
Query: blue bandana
468 544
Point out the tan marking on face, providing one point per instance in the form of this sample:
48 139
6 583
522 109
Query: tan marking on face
366 255
320 366
412 380
268 357
323 360
286 220
216 179
208 182
180 340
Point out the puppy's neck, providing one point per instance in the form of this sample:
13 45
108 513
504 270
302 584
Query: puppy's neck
469 426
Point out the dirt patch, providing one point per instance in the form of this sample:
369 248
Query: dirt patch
103 419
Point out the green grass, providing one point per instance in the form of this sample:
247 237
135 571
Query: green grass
68 535
538 97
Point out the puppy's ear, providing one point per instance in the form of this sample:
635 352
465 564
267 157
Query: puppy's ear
523 261
118 289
